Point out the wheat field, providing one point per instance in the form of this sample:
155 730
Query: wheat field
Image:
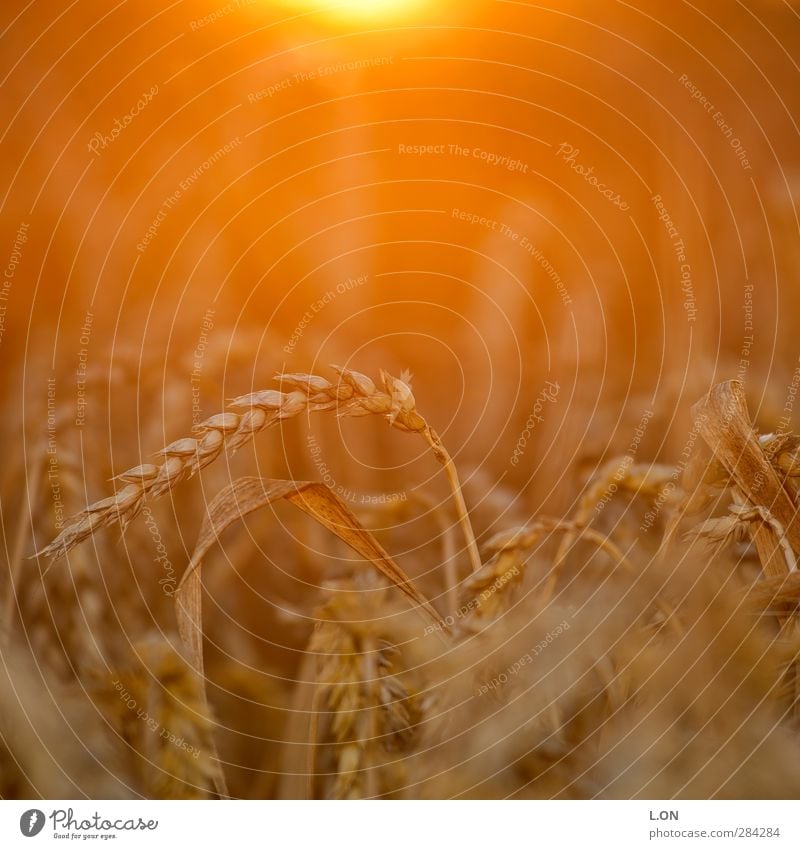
567 662
399 400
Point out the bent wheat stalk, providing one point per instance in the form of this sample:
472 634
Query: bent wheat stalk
525 538
354 394
760 498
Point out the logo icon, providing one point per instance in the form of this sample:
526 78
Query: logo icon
31 822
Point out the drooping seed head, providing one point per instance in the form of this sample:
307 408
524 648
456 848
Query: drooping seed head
294 403
266 399
170 470
225 422
180 448
123 500
311 384
359 382
250 423
145 472
211 443
400 392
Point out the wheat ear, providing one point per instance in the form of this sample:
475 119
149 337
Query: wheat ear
354 394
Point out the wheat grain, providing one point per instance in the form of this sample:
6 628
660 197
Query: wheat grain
366 706
354 394
157 707
582 709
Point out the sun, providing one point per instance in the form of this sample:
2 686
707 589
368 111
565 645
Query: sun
358 9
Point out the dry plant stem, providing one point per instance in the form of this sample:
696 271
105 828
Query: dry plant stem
247 495
724 422
298 756
585 508
433 439
450 570
449 565
762 515
527 537
354 394
671 529
193 639
448 551
573 533
580 520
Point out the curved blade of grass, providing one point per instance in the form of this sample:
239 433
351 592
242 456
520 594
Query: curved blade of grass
249 494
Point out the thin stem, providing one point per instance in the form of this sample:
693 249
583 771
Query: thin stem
449 564
446 460
450 570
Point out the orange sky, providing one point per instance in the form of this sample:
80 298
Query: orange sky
486 169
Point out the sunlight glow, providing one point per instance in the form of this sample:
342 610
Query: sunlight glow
358 9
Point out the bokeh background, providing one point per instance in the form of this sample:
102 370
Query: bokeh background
320 106
492 195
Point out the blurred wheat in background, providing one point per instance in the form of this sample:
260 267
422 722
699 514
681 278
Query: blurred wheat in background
553 246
